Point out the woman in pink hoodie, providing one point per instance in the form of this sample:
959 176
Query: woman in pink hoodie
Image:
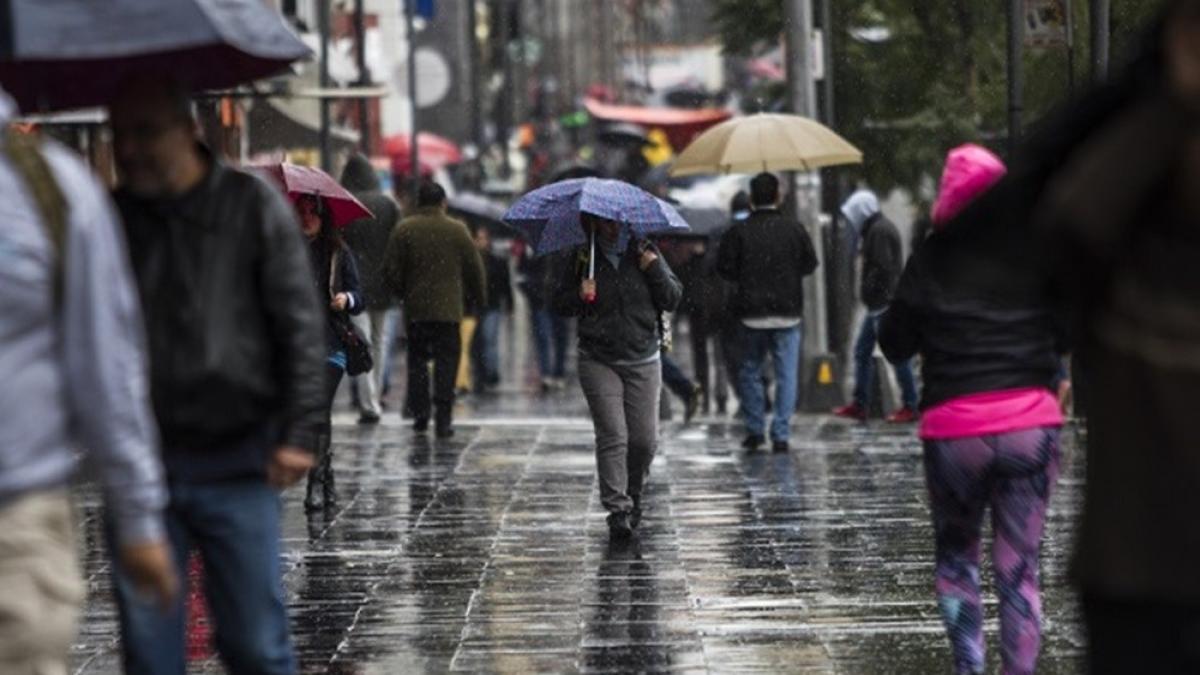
990 419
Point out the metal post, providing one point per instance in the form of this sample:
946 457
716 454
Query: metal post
802 95
323 31
1016 74
364 77
1099 19
473 73
413 152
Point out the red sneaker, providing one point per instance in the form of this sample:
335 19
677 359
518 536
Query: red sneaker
905 415
853 411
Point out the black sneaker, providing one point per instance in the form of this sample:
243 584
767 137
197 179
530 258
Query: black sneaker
692 404
780 447
618 525
753 442
635 514
368 418
444 432
421 425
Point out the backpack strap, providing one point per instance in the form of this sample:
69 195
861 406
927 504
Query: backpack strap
23 151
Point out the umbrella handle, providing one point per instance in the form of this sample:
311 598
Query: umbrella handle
591 297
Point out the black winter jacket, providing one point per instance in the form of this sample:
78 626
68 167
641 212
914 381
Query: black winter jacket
767 256
368 237
623 323
236 335
883 261
346 281
970 340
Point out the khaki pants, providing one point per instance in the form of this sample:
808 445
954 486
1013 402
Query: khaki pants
467 333
40 587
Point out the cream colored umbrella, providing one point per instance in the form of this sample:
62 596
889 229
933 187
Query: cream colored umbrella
765 142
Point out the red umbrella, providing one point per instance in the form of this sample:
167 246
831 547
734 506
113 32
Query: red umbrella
304 180
433 152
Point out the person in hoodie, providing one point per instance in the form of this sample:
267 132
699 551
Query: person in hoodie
882 262
368 238
990 421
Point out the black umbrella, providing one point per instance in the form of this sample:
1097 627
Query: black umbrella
477 211
74 53
570 171
622 133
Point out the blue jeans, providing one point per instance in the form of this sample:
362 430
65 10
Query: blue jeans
550 336
489 345
674 378
864 366
235 527
784 347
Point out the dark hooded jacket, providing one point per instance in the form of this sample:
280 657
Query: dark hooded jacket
368 237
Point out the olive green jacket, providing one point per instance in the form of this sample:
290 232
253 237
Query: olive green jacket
433 267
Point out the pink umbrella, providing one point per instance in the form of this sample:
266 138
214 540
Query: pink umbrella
299 180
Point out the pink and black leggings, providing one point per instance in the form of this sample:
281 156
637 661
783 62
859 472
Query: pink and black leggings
1015 474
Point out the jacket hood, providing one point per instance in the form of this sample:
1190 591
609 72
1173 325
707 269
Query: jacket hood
859 208
359 175
970 170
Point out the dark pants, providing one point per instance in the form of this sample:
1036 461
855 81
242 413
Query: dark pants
698 333
441 343
550 339
1132 636
675 379
235 527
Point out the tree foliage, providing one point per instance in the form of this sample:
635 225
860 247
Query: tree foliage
928 75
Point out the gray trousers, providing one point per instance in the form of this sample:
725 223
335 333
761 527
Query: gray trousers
372 323
623 401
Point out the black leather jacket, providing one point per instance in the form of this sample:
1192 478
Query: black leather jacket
236 334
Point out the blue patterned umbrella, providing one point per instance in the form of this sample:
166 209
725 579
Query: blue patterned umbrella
549 216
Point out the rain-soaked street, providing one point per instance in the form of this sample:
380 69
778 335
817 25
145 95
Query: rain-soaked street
489 553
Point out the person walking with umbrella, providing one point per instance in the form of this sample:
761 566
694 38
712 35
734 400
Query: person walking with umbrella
618 287
335 276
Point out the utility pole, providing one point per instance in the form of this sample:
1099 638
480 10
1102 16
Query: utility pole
1099 19
364 77
413 153
802 96
323 133
472 18
1016 74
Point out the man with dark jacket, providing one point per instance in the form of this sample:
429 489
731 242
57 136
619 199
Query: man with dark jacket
368 238
767 257
432 265
237 344
882 263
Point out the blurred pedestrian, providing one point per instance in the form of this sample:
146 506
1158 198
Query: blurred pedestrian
767 256
73 376
882 262
335 277
236 344
432 265
499 302
688 391
368 238
620 337
549 328
990 425
463 380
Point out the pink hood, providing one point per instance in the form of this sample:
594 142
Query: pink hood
970 170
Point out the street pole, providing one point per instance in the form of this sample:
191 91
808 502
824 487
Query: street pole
1016 74
364 77
323 133
802 96
473 74
413 152
1099 18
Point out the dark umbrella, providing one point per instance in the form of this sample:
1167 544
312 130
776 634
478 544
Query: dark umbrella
622 133
75 53
480 211
570 171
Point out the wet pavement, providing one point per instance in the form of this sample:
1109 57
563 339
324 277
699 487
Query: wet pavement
489 553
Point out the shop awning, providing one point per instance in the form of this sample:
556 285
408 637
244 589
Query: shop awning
681 125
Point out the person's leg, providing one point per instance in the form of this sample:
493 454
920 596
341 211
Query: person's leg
958 477
236 527
698 334
153 640
642 387
559 335
447 349
785 353
419 352
605 394
40 587
1027 469
466 334
908 384
393 330
864 362
542 342
374 322
750 387
674 379
490 349
320 491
